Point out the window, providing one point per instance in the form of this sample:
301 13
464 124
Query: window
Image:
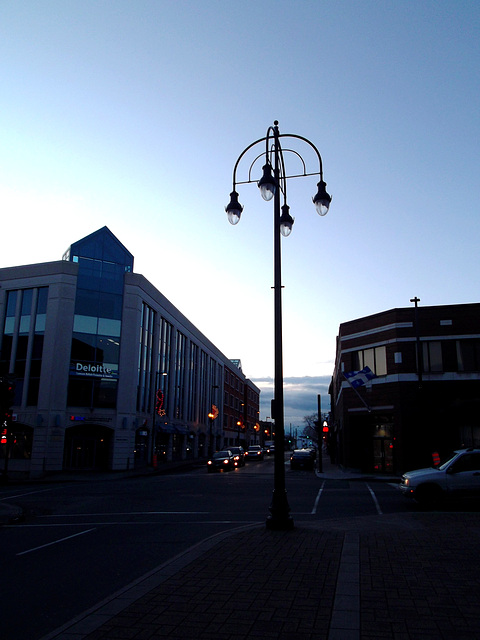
193 382
440 356
92 392
374 358
145 360
467 462
180 374
468 355
102 262
26 310
432 356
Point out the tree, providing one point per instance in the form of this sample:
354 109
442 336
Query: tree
310 429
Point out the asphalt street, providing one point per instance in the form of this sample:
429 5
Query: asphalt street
82 543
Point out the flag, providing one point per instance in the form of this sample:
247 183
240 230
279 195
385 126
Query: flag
359 378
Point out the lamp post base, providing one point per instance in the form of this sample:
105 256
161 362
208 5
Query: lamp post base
279 518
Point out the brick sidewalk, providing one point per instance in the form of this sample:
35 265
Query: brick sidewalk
414 576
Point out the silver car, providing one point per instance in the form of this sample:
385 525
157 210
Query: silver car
459 476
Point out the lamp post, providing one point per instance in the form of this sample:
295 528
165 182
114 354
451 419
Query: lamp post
273 186
212 415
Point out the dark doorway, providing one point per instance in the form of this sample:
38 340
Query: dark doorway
87 448
383 448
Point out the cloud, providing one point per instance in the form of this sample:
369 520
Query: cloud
300 397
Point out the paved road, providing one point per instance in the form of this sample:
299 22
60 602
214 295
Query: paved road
82 541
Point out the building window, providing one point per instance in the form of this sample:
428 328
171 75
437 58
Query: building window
432 356
180 375
164 357
97 320
193 382
92 392
468 355
440 356
374 358
145 360
23 333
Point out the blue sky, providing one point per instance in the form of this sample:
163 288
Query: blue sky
132 115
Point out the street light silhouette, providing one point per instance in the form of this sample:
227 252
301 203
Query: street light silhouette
273 184
212 415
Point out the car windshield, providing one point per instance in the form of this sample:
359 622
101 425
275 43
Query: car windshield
221 454
445 464
301 454
253 448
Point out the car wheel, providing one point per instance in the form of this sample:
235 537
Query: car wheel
428 495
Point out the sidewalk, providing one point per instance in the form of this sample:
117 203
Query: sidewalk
412 576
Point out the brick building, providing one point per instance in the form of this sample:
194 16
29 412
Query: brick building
426 394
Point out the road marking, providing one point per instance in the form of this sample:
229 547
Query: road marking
377 506
124 513
20 495
108 523
314 510
49 544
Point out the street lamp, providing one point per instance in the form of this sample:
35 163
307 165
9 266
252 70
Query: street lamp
273 184
212 415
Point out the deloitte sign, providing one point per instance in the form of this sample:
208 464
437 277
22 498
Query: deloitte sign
93 370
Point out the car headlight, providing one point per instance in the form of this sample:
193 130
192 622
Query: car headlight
209 462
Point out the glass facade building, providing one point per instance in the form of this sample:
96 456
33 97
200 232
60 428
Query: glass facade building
108 373
97 321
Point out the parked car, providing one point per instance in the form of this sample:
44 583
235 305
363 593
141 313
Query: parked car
221 460
238 456
254 452
313 452
458 476
302 459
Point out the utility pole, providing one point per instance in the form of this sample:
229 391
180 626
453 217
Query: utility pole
320 434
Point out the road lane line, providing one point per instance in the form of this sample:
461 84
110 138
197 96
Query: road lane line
122 523
314 510
49 544
20 495
377 506
123 513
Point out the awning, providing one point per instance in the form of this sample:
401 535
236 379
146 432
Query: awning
182 430
167 428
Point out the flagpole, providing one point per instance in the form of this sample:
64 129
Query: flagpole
367 406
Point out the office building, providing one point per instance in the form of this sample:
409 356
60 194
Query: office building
108 373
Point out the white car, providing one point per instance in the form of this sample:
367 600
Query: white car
459 476
254 452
